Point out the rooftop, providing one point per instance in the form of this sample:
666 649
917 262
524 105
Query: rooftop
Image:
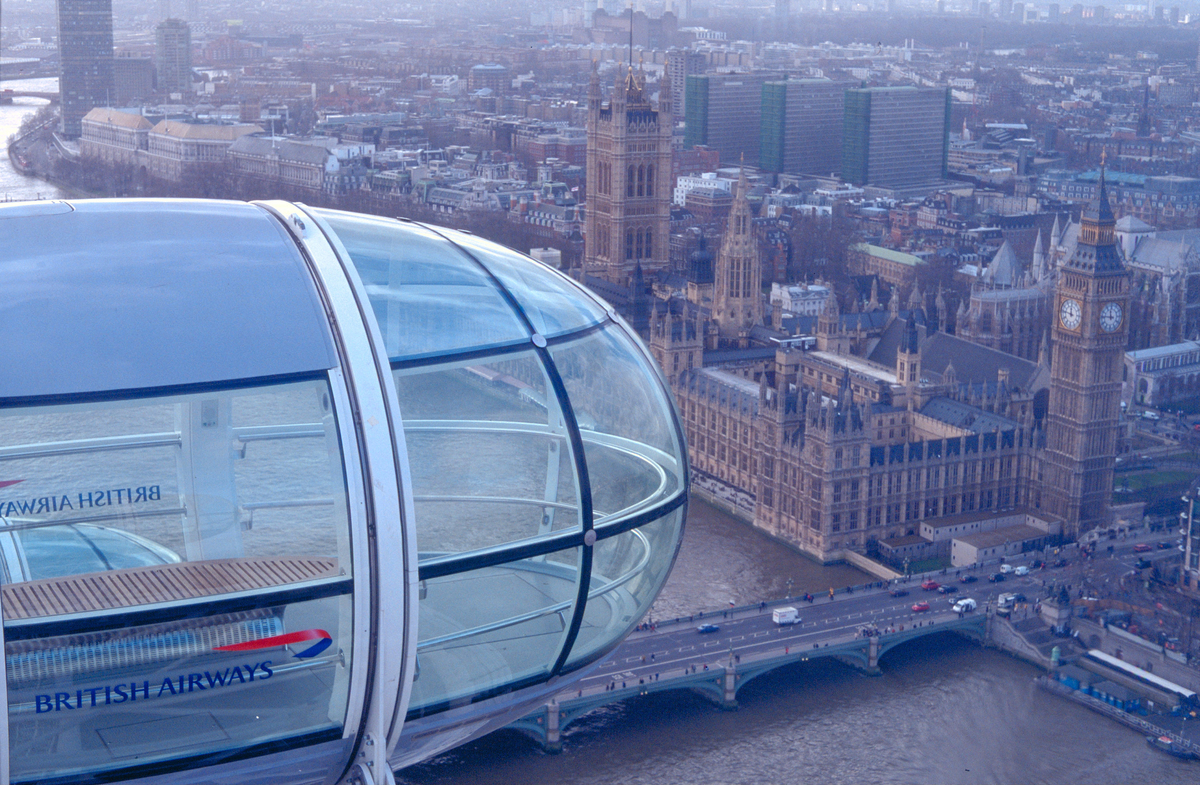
886 253
858 365
963 415
1163 351
1004 536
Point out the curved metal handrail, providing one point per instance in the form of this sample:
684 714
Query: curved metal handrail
609 441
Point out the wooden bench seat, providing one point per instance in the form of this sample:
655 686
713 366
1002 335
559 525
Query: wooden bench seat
104 591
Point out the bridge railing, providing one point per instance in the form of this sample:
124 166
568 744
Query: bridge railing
715 614
638 677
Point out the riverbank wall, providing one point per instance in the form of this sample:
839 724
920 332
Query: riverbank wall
1003 635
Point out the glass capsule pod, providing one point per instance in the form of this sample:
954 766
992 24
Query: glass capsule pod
285 489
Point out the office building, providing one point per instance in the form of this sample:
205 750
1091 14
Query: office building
723 112
133 79
802 126
489 76
173 50
682 63
85 50
894 137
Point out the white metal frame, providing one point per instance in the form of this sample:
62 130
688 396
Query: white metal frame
385 463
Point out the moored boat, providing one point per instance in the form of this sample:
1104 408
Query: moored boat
1167 745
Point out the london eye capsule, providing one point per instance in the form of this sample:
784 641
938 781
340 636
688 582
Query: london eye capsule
290 494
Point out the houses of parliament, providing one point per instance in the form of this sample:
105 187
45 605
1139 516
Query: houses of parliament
884 433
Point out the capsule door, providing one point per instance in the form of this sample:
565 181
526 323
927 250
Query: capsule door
185 577
178 580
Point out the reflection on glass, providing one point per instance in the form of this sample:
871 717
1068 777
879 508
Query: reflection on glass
486 628
429 297
553 304
490 458
113 509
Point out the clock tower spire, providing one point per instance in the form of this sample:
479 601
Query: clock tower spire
1091 329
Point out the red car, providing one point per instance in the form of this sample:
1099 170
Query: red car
930 585
920 606
1141 547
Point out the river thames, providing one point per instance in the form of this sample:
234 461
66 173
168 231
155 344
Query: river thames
13 185
944 710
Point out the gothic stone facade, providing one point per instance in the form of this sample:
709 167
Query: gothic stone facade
846 444
629 180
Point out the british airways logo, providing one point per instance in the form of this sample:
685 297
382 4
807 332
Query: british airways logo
110 694
322 638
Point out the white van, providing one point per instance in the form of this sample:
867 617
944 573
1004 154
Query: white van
784 616
964 605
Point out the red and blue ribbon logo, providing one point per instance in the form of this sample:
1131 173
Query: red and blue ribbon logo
323 641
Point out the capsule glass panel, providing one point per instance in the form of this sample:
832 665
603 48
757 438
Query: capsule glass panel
490 457
501 430
553 303
429 298
176 578
628 569
484 629
634 456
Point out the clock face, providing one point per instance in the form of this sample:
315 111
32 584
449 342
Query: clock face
1070 314
1111 317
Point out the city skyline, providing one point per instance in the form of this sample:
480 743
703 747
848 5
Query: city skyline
922 282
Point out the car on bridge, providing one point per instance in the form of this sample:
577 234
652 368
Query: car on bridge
947 589
899 592
996 577
967 579
1142 547
964 605
930 585
703 628
920 607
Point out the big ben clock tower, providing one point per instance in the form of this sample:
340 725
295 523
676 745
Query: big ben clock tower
1091 328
